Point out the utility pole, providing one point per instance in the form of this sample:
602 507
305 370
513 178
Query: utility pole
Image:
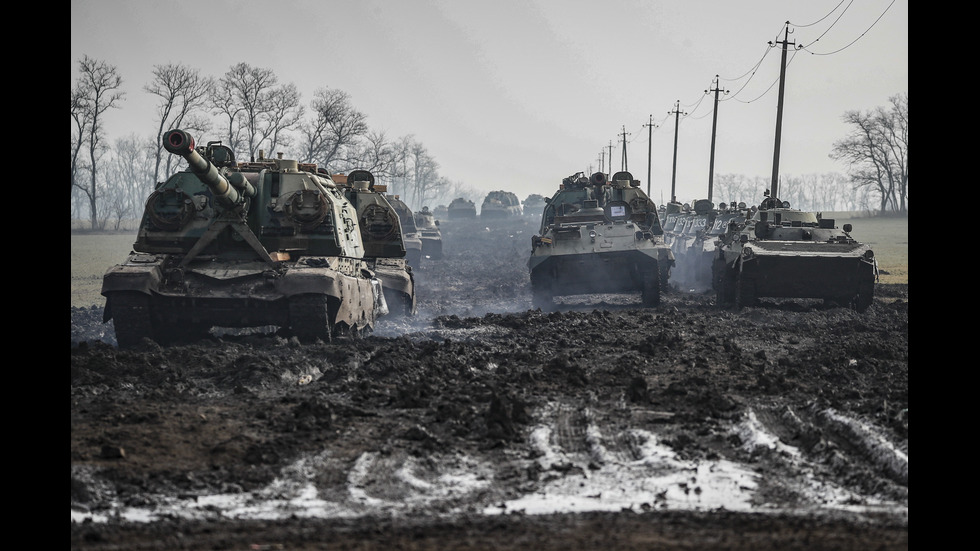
649 152
625 164
610 158
714 130
673 177
602 160
774 185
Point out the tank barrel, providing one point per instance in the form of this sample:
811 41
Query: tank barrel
181 143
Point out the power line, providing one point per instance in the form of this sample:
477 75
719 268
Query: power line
846 46
828 14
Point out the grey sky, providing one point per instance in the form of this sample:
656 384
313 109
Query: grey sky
516 94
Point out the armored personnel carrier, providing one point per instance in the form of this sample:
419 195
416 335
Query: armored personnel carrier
500 204
222 243
700 254
673 222
430 234
410 232
461 209
599 237
381 233
787 253
693 227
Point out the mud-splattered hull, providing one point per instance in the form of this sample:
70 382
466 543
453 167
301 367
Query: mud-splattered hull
807 270
151 296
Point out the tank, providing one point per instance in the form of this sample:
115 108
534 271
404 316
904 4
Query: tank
430 234
461 209
500 204
599 236
410 232
782 252
534 205
222 243
381 232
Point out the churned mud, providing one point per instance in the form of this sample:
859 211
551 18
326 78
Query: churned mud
484 424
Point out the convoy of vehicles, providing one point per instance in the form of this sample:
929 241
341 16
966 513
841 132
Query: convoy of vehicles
274 242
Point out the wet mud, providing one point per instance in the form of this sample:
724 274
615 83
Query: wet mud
484 424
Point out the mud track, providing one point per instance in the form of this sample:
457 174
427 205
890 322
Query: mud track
482 424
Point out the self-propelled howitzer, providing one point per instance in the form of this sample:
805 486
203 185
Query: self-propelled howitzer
229 244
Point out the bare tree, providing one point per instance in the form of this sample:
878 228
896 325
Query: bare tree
96 91
183 92
129 172
877 152
257 110
735 188
400 171
376 153
336 125
425 173
79 128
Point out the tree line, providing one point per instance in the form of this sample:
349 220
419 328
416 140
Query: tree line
253 113
876 150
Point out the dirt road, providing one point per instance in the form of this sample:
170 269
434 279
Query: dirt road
483 424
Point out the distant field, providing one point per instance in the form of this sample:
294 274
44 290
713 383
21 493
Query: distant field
888 237
93 253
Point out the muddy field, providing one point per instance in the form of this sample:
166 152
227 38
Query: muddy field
482 424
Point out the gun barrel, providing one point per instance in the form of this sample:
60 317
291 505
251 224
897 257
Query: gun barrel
181 143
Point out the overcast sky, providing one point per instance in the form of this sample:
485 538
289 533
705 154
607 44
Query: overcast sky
517 94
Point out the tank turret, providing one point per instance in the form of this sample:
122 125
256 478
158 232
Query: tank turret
229 244
461 208
410 232
385 248
430 233
500 204
181 143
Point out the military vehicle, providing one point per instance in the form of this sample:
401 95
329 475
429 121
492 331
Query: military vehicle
461 208
228 244
782 252
500 204
599 236
410 232
430 234
685 233
381 233
700 255
441 212
688 244
673 222
534 205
